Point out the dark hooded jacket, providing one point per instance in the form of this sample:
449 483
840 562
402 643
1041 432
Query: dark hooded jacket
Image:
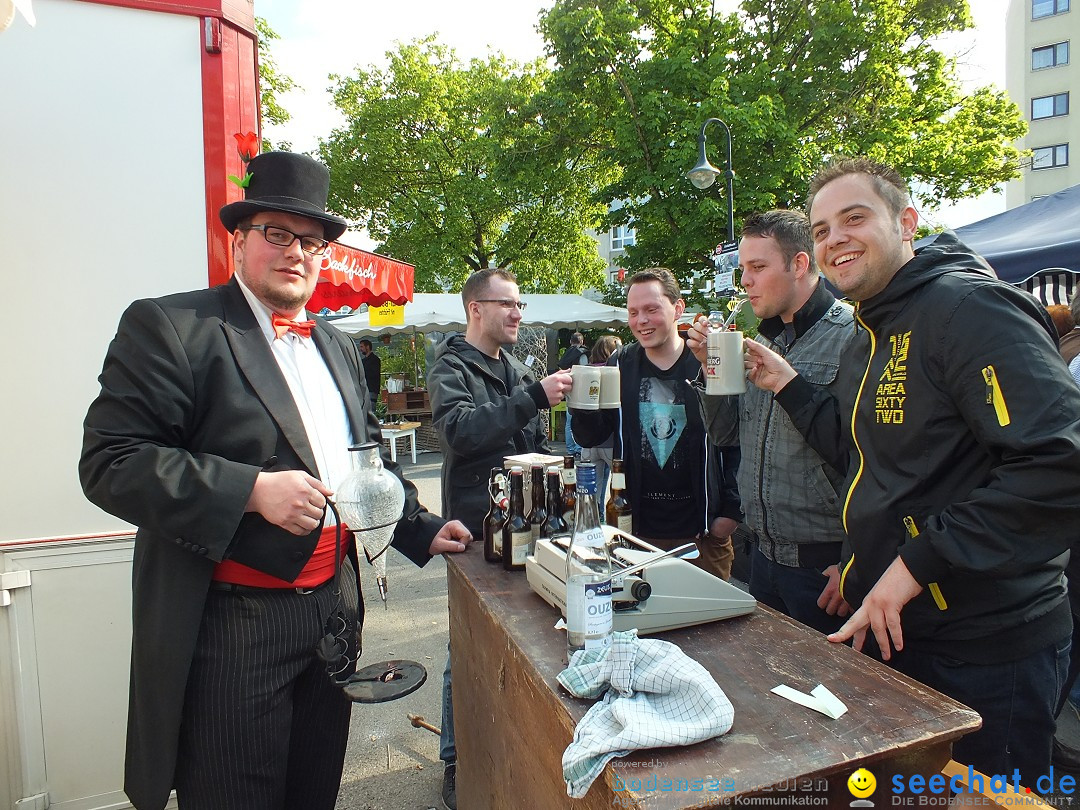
480 421
960 431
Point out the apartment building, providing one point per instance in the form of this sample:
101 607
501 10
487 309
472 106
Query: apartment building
1041 73
611 245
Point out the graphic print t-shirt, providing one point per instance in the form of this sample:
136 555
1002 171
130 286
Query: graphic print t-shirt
669 455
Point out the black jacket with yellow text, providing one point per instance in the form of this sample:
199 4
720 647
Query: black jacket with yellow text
959 428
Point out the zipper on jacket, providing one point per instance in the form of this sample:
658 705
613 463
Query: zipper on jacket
854 414
843 574
935 591
855 440
761 468
995 397
783 349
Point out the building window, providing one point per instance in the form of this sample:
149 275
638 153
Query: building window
1048 8
622 236
1049 106
1050 56
1050 157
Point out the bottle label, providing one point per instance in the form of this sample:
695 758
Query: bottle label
590 538
626 523
618 480
569 476
520 547
588 613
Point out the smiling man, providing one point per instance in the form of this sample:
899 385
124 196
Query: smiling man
789 494
961 434
659 432
221 430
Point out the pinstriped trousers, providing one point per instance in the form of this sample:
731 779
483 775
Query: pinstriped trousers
263 727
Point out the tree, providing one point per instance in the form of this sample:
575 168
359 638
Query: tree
455 168
272 84
797 81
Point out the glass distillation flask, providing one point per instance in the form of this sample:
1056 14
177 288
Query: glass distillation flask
370 501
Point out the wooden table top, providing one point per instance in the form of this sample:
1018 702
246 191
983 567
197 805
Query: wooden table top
403 426
773 741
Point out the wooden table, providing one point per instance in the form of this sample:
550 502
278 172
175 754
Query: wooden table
394 432
513 720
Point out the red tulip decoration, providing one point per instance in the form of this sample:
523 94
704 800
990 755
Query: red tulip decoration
247 144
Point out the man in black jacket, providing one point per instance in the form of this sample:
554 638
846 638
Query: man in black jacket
485 405
574 355
960 432
372 368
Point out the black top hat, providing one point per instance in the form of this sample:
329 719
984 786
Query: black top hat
285 181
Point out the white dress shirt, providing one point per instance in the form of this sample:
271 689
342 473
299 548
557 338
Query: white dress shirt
315 393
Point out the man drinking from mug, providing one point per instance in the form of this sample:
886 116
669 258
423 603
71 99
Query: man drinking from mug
658 431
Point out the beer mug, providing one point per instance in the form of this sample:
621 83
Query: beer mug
610 396
585 395
724 370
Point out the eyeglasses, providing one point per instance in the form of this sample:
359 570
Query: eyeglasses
312 245
505 303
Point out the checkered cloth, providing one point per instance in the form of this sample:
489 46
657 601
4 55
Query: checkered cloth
658 696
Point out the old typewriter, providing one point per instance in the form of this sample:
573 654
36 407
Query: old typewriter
651 589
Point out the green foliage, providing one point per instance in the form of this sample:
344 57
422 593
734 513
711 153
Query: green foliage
272 83
797 81
405 355
455 168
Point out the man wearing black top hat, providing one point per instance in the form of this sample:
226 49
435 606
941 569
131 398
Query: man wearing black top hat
222 428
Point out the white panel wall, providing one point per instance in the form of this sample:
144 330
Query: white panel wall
101 202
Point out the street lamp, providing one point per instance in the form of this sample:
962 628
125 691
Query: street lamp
704 174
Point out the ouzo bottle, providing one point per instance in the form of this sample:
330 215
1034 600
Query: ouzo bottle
588 572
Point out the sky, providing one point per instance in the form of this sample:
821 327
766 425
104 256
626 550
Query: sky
320 37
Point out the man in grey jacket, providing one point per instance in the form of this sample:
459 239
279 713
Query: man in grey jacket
789 495
485 405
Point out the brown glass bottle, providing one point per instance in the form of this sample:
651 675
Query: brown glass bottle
516 532
554 524
538 513
568 501
618 512
496 516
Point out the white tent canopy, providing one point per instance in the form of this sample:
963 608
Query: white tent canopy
443 312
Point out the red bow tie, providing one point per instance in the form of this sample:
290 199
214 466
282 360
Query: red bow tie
283 325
